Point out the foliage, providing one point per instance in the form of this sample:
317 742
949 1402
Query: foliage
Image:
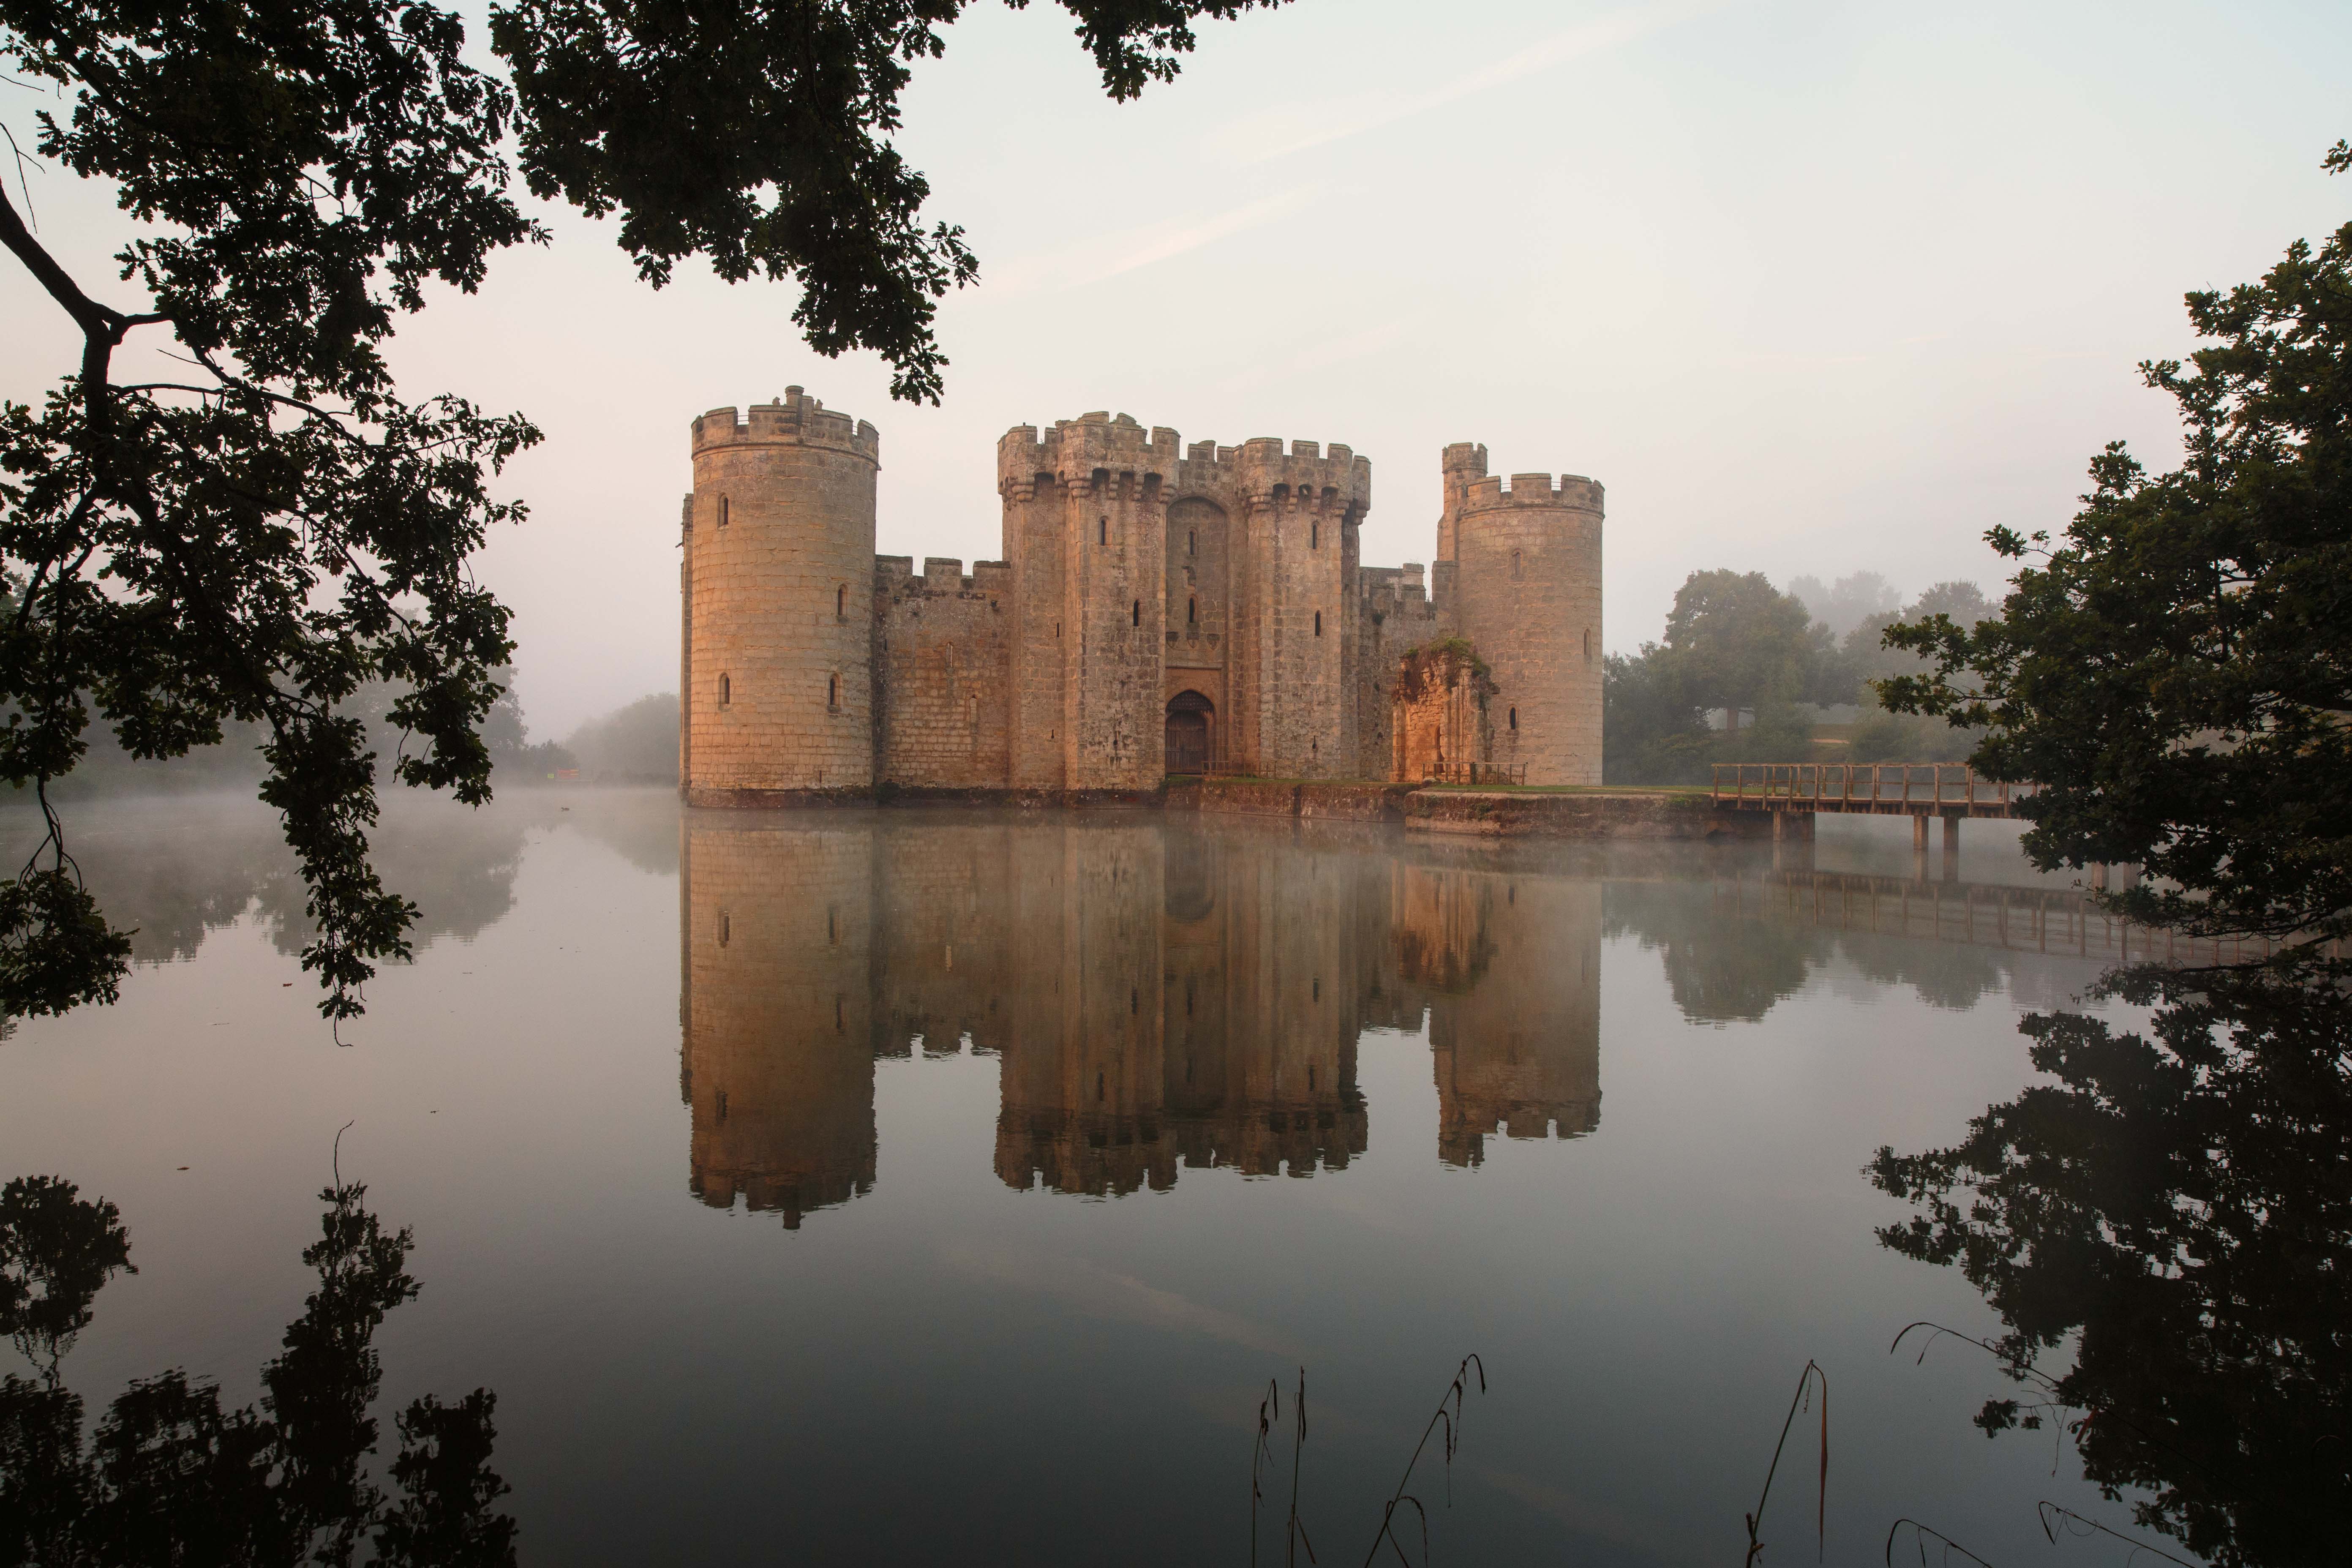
172 1475
635 744
2178 1205
1739 643
1846 604
1651 731
259 541
2172 672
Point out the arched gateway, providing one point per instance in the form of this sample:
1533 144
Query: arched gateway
1190 718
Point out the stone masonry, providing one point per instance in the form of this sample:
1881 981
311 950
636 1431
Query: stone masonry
1158 608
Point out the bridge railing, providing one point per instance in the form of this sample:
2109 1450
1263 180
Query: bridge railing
1890 787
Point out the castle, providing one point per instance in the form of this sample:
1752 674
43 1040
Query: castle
1158 609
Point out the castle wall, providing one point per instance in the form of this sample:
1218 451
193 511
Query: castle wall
943 660
1198 612
1085 534
1292 517
1527 589
781 569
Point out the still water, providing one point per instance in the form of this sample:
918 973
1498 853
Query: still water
899 1186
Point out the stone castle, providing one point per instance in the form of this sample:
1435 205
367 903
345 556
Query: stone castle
1158 609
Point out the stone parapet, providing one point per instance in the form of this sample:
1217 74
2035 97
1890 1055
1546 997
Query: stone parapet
794 419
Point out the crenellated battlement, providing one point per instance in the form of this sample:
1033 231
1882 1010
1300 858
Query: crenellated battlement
794 419
1075 451
894 577
1259 470
1574 493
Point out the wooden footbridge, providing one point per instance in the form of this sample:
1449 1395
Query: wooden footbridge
1793 792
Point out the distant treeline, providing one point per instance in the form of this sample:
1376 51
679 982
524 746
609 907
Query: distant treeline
1749 673
635 744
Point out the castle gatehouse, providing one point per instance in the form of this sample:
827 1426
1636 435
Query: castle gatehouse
1158 609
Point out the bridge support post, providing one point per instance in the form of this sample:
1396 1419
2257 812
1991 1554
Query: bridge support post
1951 848
1920 834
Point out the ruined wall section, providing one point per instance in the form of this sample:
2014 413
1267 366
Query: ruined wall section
1293 517
780 618
1527 597
1395 614
943 660
1085 514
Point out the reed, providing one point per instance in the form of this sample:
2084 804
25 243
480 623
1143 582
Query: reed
1805 1382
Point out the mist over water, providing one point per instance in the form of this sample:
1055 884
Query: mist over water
863 1185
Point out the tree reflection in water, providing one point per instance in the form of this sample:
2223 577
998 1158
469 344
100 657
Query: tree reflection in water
172 1476
2178 1203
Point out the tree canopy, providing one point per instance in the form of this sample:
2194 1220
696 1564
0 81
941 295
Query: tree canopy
2173 670
268 536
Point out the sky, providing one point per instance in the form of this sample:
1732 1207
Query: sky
1810 288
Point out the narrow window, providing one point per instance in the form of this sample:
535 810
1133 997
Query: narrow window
831 923
1515 718
1319 991
1587 642
726 691
1137 613
1134 1001
1515 563
726 929
1310 1079
1102 531
840 1014
1057 631
1193 541
722 1105
722 512
841 601
1098 1086
1314 535
833 691
1193 612
1319 622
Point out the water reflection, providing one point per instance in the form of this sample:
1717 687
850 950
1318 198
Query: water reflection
172 1475
2177 1204
1160 996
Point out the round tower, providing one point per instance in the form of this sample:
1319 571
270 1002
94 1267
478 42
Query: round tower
1527 597
780 603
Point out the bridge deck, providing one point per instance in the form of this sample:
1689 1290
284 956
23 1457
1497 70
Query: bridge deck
1886 789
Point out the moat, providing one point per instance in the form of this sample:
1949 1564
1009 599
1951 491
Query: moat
861 1185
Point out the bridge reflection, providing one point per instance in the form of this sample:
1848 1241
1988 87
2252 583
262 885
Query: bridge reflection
1160 998
2018 919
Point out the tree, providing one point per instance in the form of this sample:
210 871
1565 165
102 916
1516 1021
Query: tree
1742 643
1650 729
1867 658
1846 605
2173 673
253 540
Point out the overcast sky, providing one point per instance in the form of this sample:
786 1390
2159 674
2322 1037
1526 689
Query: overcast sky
1810 288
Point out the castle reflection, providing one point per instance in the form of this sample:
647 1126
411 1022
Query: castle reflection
1159 995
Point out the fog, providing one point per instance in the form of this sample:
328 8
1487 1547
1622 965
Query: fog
1806 286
